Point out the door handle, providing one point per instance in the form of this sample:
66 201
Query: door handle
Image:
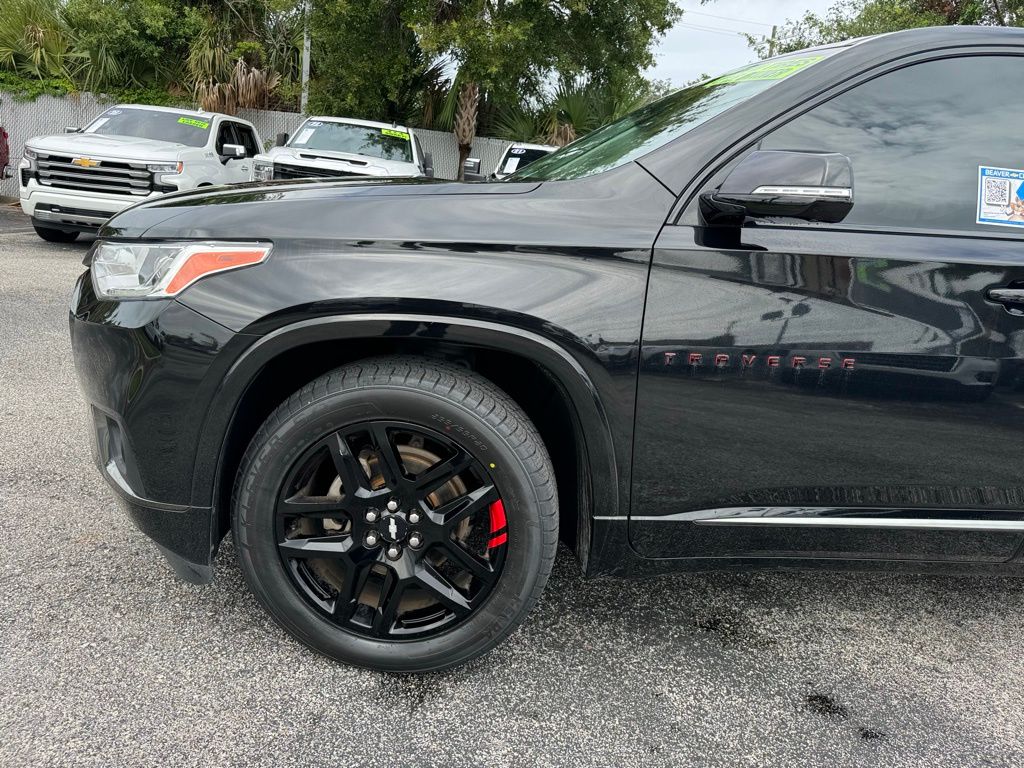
1011 298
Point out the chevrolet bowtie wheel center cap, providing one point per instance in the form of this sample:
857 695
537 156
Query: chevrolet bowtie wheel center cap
393 528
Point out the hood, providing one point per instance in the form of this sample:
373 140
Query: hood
272 209
110 147
341 161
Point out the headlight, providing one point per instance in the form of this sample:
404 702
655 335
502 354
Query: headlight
165 175
165 167
28 158
159 271
262 171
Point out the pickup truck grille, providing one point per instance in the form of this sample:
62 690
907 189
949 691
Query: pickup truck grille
299 172
110 177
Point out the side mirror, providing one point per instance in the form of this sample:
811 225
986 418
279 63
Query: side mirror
813 186
428 165
281 140
471 169
70 129
232 152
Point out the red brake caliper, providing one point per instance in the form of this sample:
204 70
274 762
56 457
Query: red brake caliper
498 534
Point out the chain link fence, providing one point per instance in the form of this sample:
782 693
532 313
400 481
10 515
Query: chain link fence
48 115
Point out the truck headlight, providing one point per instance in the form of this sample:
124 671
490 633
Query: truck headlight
159 271
28 159
165 167
262 171
161 172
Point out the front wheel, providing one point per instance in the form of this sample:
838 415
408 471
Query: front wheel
51 235
397 514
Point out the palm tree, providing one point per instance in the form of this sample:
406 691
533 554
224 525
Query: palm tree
465 121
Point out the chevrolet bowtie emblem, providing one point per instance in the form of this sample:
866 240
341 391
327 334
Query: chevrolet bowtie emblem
85 162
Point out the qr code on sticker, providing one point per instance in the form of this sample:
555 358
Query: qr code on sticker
997 192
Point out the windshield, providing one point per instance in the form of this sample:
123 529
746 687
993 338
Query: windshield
658 123
384 143
520 157
176 128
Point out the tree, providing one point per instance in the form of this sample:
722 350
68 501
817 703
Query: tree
369 63
506 51
857 18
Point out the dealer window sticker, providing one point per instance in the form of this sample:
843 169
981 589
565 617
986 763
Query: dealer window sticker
194 123
396 134
769 70
1000 196
304 135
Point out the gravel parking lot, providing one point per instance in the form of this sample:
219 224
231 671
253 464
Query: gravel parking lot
107 659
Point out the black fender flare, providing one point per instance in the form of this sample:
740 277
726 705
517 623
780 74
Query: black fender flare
597 449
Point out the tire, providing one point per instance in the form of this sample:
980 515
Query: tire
51 235
433 406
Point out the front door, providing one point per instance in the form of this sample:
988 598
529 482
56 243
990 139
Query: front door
850 390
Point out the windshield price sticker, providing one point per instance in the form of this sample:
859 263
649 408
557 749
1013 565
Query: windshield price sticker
304 135
396 134
1000 196
769 70
193 122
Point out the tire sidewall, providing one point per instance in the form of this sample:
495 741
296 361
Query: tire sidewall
255 531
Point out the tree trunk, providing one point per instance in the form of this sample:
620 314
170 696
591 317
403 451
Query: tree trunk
465 122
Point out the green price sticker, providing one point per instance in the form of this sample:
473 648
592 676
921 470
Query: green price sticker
194 123
769 70
396 134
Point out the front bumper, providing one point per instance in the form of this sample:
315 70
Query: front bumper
147 370
70 209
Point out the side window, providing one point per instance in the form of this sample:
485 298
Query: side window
916 138
225 135
247 138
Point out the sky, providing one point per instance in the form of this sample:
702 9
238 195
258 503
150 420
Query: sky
708 39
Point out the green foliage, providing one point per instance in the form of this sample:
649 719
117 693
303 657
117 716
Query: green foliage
31 88
573 108
369 63
857 18
512 48
34 39
128 43
401 60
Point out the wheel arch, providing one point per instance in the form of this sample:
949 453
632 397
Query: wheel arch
539 373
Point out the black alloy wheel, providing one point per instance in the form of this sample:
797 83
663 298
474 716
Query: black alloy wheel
398 514
391 530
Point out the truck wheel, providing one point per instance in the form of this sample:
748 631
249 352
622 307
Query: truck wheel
51 235
398 514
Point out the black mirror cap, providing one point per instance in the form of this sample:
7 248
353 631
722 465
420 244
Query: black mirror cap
281 140
428 165
71 129
813 186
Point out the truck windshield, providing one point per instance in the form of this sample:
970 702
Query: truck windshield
661 121
520 157
190 130
330 136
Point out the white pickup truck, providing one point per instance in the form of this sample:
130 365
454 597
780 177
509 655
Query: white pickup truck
72 183
329 147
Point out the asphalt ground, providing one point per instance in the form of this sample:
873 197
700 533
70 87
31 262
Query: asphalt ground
107 659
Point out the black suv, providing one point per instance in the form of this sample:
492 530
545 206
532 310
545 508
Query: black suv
773 319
